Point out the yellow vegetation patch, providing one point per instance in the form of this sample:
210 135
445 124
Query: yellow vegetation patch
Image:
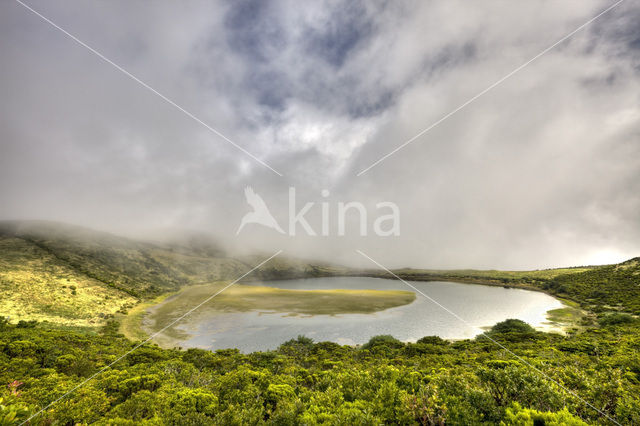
34 285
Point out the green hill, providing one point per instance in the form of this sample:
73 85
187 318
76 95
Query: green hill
72 275
602 288
36 285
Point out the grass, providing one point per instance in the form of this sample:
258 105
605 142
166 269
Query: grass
566 318
539 274
131 321
244 298
34 285
491 275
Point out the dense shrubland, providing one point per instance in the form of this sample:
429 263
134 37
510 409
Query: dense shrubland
431 381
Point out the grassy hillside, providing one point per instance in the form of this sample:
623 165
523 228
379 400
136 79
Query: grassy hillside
492 276
140 269
76 276
602 288
35 285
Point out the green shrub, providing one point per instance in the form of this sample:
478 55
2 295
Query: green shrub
433 340
518 416
512 326
383 340
616 319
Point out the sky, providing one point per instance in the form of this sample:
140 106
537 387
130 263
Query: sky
541 170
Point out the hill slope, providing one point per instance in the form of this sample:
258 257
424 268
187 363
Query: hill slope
602 288
35 285
72 275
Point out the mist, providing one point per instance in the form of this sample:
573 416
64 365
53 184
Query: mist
541 171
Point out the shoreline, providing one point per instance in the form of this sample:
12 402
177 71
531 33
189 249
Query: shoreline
131 323
559 320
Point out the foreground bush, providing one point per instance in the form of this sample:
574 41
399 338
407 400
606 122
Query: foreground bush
385 382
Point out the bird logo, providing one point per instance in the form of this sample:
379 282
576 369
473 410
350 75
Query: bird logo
260 214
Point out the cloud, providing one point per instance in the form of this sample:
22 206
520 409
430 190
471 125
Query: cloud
541 171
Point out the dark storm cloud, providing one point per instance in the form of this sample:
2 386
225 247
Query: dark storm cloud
543 170
304 64
253 30
348 26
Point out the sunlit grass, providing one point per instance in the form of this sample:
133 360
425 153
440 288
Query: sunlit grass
34 285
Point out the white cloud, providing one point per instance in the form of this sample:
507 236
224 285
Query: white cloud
541 171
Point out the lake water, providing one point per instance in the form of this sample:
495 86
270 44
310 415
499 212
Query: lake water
478 305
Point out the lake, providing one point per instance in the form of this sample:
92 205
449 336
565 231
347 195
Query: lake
480 306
